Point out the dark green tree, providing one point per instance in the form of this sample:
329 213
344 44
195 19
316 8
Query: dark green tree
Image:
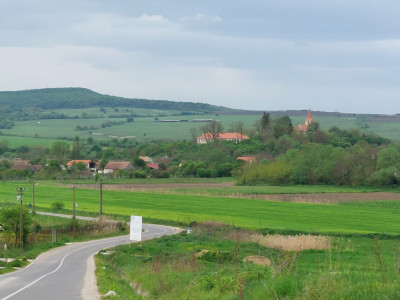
10 219
282 126
76 149
59 151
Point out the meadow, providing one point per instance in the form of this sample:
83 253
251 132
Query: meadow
213 262
343 218
145 128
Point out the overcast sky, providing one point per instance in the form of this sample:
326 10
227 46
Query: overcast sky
329 55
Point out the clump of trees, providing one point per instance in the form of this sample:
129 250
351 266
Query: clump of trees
336 156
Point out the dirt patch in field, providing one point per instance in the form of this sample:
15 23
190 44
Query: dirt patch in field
327 198
157 186
323 198
292 242
258 260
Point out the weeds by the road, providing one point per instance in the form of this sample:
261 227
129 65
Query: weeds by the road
50 232
218 262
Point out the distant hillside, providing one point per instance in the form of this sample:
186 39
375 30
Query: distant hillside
59 98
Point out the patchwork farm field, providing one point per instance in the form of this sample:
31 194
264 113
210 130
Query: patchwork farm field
372 217
146 128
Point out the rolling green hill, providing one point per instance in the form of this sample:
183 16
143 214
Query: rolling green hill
57 112
58 98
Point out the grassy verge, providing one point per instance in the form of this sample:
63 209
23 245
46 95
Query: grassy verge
209 264
14 258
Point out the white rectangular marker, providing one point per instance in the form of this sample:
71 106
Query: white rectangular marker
136 228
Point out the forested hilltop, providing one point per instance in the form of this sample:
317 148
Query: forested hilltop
61 98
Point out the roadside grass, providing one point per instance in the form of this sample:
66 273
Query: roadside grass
12 257
207 264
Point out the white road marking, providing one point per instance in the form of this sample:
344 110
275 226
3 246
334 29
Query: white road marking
50 273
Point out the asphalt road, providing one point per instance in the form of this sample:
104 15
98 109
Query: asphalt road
66 272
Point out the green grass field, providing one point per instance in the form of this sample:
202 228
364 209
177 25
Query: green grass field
170 268
145 128
352 217
18 141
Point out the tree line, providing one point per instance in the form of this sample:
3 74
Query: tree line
283 155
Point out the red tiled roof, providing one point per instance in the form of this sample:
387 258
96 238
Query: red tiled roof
76 161
309 117
152 166
247 158
302 127
225 136
146 159
117 165
18 166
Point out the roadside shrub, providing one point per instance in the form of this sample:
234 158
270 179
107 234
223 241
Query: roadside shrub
16 263
203 173
56 205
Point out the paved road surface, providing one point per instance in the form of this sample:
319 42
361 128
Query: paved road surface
66 272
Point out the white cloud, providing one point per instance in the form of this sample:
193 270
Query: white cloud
199 17
267 55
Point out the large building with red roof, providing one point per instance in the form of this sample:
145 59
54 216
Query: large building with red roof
223 136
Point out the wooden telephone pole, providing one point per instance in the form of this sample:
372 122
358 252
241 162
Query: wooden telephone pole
20 192
101 199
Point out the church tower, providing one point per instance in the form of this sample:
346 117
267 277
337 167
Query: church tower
309 119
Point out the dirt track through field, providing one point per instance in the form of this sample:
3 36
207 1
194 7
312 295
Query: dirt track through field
325 198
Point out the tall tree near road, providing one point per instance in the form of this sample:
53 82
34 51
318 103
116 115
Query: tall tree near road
10 219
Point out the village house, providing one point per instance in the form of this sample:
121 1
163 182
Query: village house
22 165
91 165
248 159
303 127
223 136
146 159
114 166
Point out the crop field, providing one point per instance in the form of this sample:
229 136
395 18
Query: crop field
18 141
348 217
146 128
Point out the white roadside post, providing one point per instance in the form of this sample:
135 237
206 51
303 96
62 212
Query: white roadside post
136 229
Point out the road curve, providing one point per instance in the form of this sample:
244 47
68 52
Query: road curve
64 273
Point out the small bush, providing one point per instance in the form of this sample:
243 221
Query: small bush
56 205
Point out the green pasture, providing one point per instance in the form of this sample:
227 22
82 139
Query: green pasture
237 191
146 128
115 111
353 217
18 141
386 129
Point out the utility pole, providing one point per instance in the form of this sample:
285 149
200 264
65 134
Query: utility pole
73 210
101 199
33 194
20 192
